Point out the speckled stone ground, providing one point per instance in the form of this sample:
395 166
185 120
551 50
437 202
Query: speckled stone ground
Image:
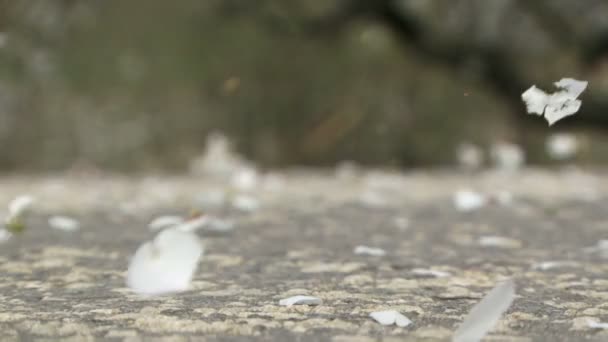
70 286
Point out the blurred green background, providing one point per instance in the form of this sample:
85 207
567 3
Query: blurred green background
138 85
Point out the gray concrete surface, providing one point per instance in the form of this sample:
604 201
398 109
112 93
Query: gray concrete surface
70 286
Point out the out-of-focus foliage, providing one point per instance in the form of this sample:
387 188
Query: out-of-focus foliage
138 84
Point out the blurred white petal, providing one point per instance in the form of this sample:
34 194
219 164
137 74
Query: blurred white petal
300 300
166 264
562 146
64 223
484 316
468 200
18 206
390 317
371 251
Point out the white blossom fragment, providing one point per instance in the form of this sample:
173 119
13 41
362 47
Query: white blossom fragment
163 222
246 203
430 273
300 300
67 224
18 206
499 242
373 199
402 223
549 265
558 105
467 200
371 251
390 317
5 235
212 198
562 146
469 156
166 264
594 324
219 160
245 179
507 156
485 314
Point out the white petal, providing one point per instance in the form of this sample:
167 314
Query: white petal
499 241
467 200
162 222
211 198
593 324
536 100
469 156
373 199
432 273
484 316
166 264
5 235
562 146
402 223
390 317
548 265
246 203
300 300
245 179
64 223
365 250
19 205
558 105
507 156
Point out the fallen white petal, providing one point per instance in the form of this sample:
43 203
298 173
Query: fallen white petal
64 223
507 156
467 200
166 264
402 223
300 300
18 206
593 324
365 250
373 199
485 314
165 222
245 179
469 156
562 146
5 235
246 203
499 241
432 273
548 265
193 224
390 317
212 198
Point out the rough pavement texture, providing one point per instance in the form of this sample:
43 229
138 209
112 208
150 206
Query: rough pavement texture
70 286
